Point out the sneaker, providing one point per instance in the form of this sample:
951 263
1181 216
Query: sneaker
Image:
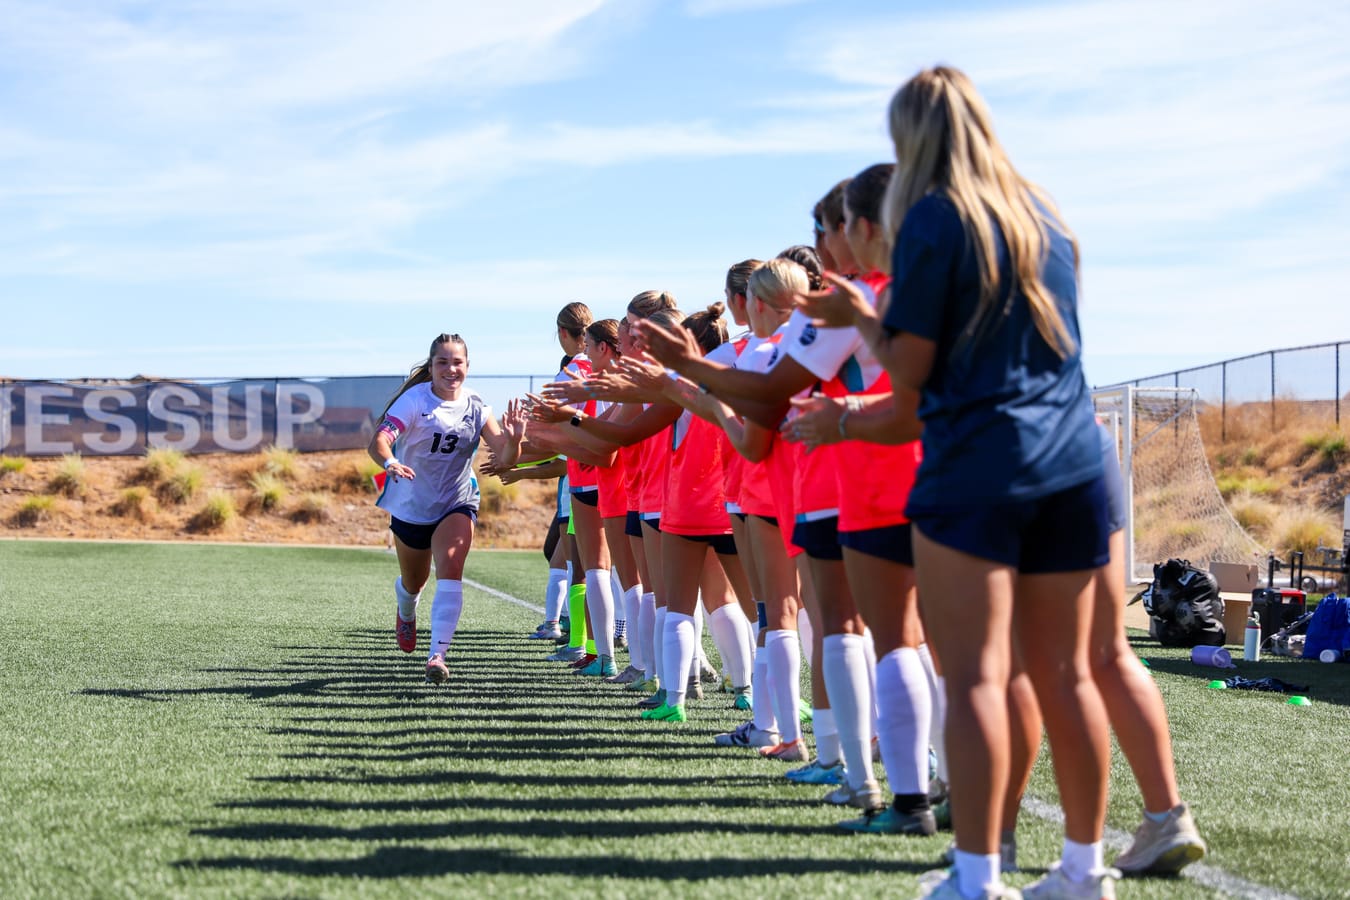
549 631
1007 855
406 632
816 772
655 700
790 751
941 885
866 796
1058 886
566 654
602 666
694 691
664 713
726 687
621 642
744 700
888 820
746 735
585 660
437 671
707 673
627 676
644 684
1164 847
942 814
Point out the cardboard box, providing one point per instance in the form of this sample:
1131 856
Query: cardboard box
1241 578
1236 609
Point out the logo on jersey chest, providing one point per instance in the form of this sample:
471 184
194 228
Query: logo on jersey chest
808 336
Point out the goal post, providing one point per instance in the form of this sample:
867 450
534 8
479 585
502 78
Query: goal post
1173 506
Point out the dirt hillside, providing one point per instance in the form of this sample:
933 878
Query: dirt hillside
312 498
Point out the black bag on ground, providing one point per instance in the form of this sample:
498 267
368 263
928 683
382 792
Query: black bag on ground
1184 606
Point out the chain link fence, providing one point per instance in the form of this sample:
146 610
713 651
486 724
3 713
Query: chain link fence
1303 387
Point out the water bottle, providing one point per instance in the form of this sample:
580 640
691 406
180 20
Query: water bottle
1251 647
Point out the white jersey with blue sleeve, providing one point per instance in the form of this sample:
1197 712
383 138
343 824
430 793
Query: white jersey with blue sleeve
437 439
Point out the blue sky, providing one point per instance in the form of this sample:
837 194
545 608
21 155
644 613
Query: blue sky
198 189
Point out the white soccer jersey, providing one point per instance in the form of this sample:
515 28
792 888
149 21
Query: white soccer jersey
830 352
437 439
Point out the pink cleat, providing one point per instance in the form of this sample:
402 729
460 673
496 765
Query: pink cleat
406 632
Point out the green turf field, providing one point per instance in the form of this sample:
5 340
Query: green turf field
204 720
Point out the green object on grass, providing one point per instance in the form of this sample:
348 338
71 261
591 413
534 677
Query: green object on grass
1218 685
1298 701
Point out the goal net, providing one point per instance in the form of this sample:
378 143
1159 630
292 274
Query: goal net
1174 507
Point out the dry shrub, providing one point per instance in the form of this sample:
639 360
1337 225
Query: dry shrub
312 507
1254 513
269 491
1304 529
161 464
279 461
70 479
1245 482
183 484
216 513
135 503
356 476
34 510
496 496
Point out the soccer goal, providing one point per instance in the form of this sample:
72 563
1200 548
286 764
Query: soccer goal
1174 507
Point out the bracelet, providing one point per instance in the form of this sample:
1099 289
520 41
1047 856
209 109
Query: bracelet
576 421
389 462
853 403
843 417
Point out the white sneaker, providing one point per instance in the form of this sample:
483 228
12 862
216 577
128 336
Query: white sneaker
746 735
1058 886
941 885
1164 847
866 796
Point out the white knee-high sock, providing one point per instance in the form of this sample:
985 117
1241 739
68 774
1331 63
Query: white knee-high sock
600 604
870 649
555 594
407 603
827 736
764 718
679 656
641 643
445 609
905 702
700 657
731 635
785 662
938 720
632 599
658 646
808 638
845 671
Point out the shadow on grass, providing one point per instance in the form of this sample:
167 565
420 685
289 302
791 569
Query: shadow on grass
352 719
417 862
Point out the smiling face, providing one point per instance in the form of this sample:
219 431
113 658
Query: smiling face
598 352
862 237
449 366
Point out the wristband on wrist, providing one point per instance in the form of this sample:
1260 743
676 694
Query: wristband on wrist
843 417
390 461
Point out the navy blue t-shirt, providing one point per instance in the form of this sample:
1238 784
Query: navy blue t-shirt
1005 418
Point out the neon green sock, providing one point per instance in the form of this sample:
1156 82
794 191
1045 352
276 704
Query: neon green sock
576 608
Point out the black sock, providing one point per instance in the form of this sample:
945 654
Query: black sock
910 804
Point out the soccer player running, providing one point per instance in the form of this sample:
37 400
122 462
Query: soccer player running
426 442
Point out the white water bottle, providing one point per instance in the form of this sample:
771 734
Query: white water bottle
1251 646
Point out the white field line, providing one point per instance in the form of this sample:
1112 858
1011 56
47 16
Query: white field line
502 595
1209 876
